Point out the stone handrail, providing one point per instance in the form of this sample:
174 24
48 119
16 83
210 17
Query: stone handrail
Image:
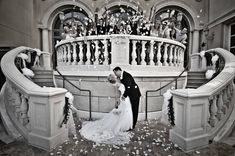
120 49
35 111
200 113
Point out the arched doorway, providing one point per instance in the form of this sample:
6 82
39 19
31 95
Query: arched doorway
75 18
173 19
50 23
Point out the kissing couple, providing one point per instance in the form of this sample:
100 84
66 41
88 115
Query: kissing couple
114 127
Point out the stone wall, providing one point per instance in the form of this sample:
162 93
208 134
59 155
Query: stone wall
221 15
103 93
16 23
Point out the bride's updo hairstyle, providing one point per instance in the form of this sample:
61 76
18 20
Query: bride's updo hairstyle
111 78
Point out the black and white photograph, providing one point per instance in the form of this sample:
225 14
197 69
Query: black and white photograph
117 78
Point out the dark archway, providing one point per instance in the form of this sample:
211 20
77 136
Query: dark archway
72 14
171 14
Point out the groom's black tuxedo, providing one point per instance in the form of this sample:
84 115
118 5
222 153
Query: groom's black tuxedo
131 90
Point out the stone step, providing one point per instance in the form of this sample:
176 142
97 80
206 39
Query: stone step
196 73
42 71
46 84
191 86
195 79
43 80
43 76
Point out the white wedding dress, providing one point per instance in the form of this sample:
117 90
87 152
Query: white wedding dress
112 128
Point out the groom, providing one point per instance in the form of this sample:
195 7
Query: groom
131 90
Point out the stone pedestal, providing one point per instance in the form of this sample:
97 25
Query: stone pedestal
120 50
45 115
190 130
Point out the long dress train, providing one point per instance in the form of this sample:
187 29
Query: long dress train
112 128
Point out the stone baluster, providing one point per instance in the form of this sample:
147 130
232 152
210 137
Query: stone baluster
165 56
159 55
74 53
69 54
175 56
179 57
213 111
17 104
143 54
231 87
133 54
151 54
225 98
220 105
60 55
58 50
171 55
229 91
224 108
182 58
96 55
65 55
80 53
105 52
88 54
23 110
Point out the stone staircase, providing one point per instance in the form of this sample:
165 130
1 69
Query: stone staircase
43 78
195 79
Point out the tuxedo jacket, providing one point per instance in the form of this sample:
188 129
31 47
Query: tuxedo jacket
131 88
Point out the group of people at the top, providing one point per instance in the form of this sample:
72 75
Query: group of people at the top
135 24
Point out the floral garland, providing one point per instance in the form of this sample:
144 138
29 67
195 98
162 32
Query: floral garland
171 113
66 112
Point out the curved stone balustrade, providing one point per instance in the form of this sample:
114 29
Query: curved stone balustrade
200 113
120 50
35 111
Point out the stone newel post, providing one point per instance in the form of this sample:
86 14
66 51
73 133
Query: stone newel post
190 130
45 115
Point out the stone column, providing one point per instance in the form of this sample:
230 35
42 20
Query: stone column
45 47
195 49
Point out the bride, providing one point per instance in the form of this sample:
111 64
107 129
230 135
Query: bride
113 127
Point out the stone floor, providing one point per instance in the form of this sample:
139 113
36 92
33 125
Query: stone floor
150 139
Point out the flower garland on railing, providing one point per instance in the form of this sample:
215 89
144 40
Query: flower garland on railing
66 112
171 113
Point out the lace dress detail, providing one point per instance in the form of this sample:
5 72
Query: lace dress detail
111 129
